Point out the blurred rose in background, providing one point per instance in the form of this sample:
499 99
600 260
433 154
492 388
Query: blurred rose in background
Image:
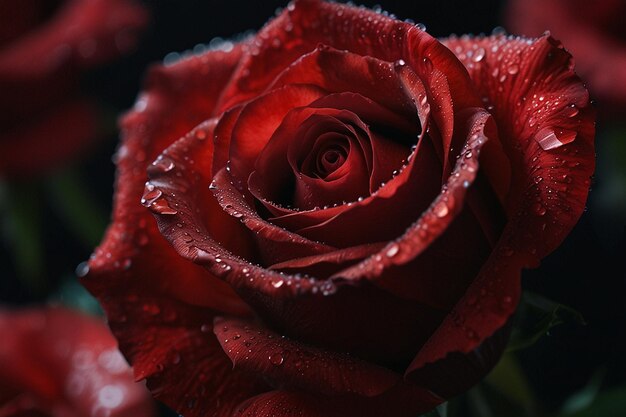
55 362
44 47
593 31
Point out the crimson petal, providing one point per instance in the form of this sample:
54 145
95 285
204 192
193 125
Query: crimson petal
550 182
131 269
294 364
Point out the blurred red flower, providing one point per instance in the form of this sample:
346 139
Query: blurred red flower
59 363
44 45
593 31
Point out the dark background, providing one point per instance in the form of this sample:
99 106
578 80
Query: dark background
587 272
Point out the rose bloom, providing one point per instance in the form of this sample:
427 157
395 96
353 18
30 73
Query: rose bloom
44 46
593 31
55 362
343 208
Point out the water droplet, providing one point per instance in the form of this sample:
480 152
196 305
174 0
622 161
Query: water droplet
539 209
551 139
513 69
441 209
479 55
160 206
162 164
421 26
276 359
571 110
392 250
278 284
150 194
200 134
151 309
82 269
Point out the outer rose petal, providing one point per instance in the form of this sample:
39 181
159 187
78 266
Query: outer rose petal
60 362
401 402
306 23
550 179
135 268
294 364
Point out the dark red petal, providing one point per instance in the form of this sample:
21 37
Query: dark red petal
321 265
134 262
293 364
402 401
174 348
350 224
274 244
546 127
301 304
55 359
549 186
433 222
307 23
49 140
258 121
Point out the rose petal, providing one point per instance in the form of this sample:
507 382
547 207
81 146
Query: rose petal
307 23
551 151
301 304
172 341
542 204
135 263
291 363
258 121
403 401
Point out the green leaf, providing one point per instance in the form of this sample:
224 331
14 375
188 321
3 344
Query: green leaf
536 315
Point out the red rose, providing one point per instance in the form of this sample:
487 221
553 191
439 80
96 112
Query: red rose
593 31
345 215
59 363
43 47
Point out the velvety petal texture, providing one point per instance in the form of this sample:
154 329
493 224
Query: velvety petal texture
58 362
44 46
343 206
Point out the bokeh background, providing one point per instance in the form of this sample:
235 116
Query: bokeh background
50 222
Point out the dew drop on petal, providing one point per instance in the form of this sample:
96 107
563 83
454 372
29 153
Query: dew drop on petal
392 250
276 359
441 209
